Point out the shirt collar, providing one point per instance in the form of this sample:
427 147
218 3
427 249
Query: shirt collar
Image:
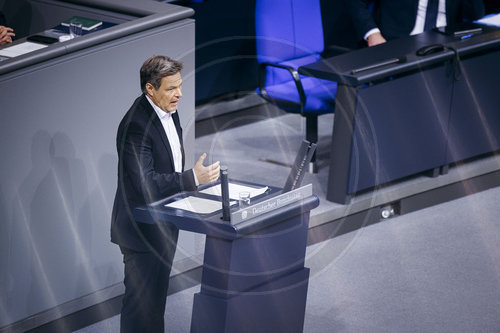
161 114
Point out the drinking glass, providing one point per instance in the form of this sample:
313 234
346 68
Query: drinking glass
244 199
75 28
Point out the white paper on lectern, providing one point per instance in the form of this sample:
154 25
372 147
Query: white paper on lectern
490 20
234 190
20 49
196 205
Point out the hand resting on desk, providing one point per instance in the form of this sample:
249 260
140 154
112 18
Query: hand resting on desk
6 35
375 39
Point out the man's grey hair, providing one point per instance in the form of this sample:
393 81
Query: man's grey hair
156 68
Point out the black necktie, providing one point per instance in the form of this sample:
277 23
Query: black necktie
431 14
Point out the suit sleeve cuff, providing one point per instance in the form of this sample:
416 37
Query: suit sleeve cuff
197 183
371 32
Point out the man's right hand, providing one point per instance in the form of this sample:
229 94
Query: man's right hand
206 174
6 35
375 39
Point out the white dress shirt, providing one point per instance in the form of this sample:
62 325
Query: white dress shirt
421 12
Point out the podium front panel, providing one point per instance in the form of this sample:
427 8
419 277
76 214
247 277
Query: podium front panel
247 262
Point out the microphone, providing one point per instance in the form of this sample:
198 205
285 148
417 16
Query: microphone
224 184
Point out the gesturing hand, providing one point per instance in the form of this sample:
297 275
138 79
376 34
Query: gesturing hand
206 174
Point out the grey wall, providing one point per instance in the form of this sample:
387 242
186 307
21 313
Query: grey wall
58 123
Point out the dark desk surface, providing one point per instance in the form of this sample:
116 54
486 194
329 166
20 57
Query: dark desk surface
381 105
149 15
339 68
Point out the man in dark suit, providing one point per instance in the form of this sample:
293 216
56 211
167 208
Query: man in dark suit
151 167
390 19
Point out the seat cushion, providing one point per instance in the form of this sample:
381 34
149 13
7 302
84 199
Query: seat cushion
320 94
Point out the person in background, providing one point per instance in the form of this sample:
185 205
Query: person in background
6 33
377 21
151 167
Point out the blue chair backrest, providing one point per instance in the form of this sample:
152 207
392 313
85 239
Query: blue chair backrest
287 29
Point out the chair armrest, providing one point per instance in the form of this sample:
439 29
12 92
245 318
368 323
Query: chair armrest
295 76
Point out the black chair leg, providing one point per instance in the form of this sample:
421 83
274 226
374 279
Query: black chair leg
312 137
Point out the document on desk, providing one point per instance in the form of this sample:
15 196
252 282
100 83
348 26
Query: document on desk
493 19
20 49
234 190
196 205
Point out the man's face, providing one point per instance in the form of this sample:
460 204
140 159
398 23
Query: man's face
168 94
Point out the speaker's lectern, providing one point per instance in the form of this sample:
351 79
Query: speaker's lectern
253 279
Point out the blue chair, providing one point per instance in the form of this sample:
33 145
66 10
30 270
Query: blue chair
289 34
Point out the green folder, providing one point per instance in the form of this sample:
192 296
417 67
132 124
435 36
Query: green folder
87 24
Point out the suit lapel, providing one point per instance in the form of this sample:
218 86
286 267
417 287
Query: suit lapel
450 12
413 16
153 117
178 127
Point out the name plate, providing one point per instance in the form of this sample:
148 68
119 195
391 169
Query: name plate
271 204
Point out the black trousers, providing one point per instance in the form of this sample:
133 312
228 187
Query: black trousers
146 285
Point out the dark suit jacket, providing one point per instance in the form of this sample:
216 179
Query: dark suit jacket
2 19
396 18
145 174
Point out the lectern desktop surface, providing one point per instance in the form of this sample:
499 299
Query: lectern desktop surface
198 222
273 205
